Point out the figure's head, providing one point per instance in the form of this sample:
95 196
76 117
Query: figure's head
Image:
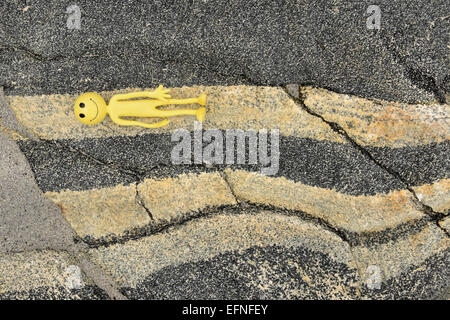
90 108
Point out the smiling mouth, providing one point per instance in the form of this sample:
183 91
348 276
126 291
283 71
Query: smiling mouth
97 110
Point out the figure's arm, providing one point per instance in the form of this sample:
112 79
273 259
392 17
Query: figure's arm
160 93
124 122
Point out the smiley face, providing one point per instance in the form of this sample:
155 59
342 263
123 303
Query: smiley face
90 108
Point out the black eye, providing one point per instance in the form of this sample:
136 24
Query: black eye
82 105
81 115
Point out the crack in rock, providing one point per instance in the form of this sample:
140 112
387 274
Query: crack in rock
436 216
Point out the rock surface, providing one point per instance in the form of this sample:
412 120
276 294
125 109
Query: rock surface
326 43
44 275
338 220
355 206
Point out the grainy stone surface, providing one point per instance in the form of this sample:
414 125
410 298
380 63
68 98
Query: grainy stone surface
410 140
113 212
51 116
105 162
325 43
436 195
8 120
378 123
359 160
272 272
44 275
352 213
27 220
410 267
169 200
261 255
445 224
334 213
101 212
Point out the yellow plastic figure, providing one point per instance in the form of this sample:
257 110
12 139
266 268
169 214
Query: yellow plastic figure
91 108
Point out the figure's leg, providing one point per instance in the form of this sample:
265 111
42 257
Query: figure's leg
172 113
200 100
125 122
199 113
